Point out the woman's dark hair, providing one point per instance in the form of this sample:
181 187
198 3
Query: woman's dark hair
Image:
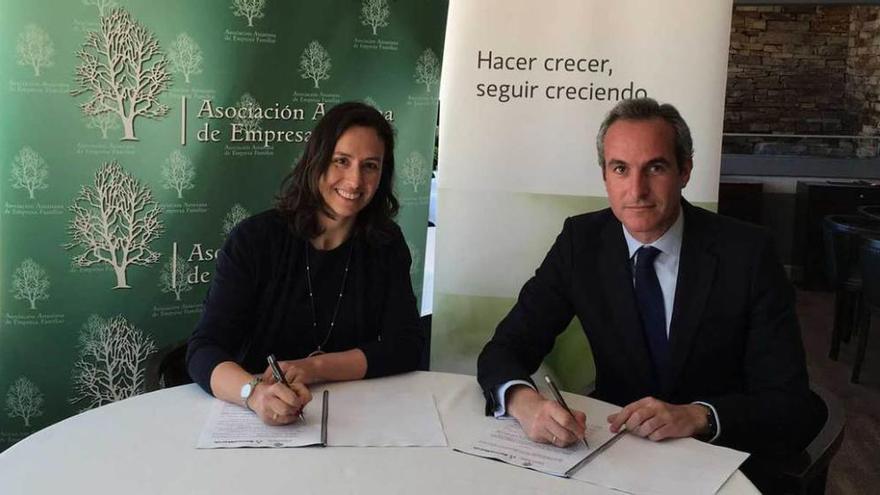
300 200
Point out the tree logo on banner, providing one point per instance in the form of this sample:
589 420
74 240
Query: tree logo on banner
102 5
185 56
178 173
375 14
427 69
103 122
114 222
413 171
30 282
314 63
249 9
112 353
124 71
24 400
248 120
173 277
35 49
29 171
233 218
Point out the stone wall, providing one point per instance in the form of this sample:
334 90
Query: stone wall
805 70
863 76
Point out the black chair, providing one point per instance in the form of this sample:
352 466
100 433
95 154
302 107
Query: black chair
870 260
806 473
843 236
870 211
167 368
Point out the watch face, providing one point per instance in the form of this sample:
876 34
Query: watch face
246 390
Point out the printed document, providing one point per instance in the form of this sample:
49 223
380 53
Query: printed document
232 426
358 416
509 443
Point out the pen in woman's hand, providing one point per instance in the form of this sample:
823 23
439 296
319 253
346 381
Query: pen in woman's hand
279 377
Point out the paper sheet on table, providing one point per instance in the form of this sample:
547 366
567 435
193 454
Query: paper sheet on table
358 416
508 443
362 417
677 466
232 426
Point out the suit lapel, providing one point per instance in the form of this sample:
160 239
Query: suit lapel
616 277
696 272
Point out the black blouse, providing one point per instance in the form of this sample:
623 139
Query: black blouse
259 303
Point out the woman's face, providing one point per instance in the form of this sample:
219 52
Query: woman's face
351 180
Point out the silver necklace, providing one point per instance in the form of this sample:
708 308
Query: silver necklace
320 348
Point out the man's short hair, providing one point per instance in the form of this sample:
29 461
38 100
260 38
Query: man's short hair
646 109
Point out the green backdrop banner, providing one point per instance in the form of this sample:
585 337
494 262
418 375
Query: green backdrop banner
134 135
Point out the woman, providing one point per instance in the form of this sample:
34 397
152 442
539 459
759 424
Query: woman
321 281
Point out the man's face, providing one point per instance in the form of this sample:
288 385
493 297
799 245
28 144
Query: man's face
642 178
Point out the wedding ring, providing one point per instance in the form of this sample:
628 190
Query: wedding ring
275 417
554 439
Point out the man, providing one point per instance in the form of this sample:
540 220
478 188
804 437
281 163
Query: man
689 314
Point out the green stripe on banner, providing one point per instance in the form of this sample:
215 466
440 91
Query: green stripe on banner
709 205
516 227
468 322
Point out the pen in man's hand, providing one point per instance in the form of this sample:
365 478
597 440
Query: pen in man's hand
562 403
279 377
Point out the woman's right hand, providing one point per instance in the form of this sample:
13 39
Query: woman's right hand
279 403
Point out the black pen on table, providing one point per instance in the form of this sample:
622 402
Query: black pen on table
279 377
562 403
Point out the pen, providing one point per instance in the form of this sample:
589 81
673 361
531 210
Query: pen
279 376
562 403
325 411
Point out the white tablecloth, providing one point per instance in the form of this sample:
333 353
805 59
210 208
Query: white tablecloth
146 445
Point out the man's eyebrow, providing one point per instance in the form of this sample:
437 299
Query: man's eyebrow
659 160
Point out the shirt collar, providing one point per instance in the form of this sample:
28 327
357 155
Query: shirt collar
668 243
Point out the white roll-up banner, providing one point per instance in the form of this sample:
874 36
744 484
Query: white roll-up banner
524 89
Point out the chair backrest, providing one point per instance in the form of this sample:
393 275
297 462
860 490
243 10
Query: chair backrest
172 369
870 259
843 236
871 211
807 473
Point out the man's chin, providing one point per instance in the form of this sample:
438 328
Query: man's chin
641 227
643 220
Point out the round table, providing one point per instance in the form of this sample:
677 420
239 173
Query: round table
146 445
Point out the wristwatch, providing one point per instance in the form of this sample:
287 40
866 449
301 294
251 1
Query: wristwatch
247 390
711 425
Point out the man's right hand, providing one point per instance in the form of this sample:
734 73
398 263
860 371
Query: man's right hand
279 403
544 420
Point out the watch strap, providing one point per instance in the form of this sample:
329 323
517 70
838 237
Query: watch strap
711 424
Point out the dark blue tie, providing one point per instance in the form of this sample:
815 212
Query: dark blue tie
651 309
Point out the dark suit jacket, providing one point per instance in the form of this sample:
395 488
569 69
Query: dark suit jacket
734 337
